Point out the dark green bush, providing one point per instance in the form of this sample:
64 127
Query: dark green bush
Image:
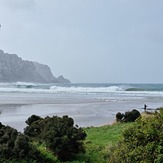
119 117
135 114
129 116
59 135
16 146
32 119
34 129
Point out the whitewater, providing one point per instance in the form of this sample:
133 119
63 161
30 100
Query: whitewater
89 104
130 89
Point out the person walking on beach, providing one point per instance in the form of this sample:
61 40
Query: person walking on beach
145 107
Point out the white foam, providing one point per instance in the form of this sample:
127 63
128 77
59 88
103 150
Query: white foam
25 83
86 89
68 89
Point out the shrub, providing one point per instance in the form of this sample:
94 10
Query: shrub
59 135
141 142
135 114
32 119
119 117
8 136
16 146
129 116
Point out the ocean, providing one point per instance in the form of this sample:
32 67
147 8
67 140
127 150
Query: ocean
83 88
89 104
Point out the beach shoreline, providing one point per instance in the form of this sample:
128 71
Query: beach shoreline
86 110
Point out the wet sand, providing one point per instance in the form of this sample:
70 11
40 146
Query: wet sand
86 110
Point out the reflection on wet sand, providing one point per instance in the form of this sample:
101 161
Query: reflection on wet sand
86 110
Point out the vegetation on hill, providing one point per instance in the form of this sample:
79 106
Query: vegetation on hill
142 142
56 139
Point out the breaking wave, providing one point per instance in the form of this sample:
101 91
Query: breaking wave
132 89
86 89
24 85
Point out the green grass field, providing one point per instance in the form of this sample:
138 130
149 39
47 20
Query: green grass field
98 140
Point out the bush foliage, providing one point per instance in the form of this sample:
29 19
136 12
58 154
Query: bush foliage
129 116
142 142
58 134
43 138
46 139
17 146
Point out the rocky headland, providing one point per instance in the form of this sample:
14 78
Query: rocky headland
14 69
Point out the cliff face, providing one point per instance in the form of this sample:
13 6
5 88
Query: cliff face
13 69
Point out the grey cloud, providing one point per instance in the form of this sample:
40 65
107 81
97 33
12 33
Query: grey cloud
155 33
151 32
18 4
87 41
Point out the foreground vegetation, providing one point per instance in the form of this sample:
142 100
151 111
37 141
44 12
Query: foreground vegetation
100 139
56 139
142 142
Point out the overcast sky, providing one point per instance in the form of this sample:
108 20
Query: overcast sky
102 41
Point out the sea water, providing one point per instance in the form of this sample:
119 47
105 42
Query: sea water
88 104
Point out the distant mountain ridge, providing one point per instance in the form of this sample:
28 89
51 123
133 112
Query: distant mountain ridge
14 69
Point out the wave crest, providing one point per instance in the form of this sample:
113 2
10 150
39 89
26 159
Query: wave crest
86 89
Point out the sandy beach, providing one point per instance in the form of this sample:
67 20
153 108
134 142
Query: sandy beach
86 110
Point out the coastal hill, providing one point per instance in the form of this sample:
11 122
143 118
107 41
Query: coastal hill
14 69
